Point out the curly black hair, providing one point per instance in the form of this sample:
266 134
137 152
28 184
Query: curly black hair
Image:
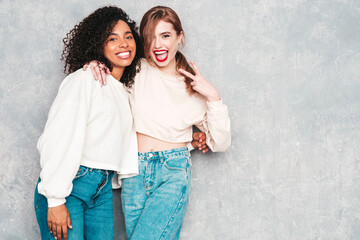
86 41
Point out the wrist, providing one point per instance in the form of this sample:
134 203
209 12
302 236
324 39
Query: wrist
55 202
214 98
190 146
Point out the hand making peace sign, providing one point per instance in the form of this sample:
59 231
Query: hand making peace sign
201 85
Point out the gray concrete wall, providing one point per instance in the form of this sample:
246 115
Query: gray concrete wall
289 71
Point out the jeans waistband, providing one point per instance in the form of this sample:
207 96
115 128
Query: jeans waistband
184 151
103 171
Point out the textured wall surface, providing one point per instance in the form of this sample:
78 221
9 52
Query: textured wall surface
289 71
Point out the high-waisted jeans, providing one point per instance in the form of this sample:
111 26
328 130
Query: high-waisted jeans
90 206
154 202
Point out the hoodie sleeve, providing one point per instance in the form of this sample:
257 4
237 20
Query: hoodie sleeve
216 126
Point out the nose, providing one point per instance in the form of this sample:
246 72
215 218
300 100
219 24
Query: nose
123 43
157 42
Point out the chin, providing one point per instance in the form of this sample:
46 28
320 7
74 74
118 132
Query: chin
125 64
160 64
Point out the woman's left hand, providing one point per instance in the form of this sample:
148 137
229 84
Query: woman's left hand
199 142
201 85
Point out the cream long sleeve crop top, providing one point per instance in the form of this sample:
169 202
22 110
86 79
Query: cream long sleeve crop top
87 125
163 109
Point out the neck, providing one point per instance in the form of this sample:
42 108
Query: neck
117 73
170 69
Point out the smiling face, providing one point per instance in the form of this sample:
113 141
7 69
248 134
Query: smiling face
164 47
120 48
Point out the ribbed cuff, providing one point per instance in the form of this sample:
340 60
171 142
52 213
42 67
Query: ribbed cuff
54 202
189 146
215 105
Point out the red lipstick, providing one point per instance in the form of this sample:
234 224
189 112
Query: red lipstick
161 55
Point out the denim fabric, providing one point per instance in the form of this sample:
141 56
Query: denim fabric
89 204
154 202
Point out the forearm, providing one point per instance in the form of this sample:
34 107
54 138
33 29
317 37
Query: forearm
217 126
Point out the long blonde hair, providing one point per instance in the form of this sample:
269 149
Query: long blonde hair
147 29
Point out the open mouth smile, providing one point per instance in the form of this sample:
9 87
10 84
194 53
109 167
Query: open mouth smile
124 55
161 55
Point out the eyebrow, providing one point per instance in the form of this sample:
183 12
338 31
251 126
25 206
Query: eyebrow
165 33
118 34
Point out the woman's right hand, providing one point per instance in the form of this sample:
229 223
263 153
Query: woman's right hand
98 70
59 221
201 85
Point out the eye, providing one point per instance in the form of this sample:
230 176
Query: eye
129 37
112 39
166 36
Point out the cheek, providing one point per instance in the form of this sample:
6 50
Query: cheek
134 50
107 51
133 44
150 50
152 46
151 53
174 47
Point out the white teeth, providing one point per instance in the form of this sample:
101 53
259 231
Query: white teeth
123 54
160 52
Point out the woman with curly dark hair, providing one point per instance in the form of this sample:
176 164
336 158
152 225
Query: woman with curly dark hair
89 136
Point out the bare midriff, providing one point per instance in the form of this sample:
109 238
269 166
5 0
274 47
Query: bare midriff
147 143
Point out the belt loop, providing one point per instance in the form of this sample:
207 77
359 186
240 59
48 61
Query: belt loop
161 156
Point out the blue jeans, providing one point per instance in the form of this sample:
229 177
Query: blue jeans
89 204
154 202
